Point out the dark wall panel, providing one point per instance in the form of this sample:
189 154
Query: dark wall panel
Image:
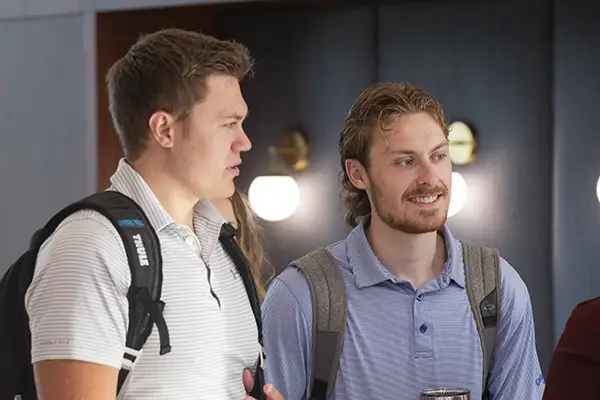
576 157
311 64
490 66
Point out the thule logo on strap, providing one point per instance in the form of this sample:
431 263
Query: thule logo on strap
141 250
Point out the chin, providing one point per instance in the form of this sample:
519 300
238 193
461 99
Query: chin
417 224
432 227
420 228
228 190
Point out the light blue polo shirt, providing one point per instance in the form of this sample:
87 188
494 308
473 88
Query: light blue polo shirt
399 340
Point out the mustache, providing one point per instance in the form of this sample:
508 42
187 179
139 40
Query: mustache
426 191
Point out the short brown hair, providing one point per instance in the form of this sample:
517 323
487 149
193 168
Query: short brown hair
167 70
249 237
375 109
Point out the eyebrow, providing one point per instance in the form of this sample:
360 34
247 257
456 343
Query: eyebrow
234 115
409 152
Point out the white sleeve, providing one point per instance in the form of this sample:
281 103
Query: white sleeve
77 301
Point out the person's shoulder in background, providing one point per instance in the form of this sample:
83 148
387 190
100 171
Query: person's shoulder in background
575 367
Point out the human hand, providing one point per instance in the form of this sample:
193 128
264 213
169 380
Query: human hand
269 390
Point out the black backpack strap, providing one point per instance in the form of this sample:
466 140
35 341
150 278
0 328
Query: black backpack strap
145 261
230 244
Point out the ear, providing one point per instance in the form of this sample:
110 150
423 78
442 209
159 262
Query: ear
357 174
162 128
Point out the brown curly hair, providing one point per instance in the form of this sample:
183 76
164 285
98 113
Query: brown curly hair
373 111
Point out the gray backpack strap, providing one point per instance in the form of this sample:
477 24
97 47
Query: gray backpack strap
330 313
482 275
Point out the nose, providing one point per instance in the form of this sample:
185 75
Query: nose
427 174
243 142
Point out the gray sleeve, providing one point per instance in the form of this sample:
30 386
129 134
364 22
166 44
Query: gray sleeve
77 301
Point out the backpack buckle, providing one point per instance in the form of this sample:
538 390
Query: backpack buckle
262 358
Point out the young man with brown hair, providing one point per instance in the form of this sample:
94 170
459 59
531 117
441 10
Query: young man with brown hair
409 323
178 109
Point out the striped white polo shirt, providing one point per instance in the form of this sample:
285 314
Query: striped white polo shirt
78 307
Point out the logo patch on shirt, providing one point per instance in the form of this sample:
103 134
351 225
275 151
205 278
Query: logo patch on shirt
540 380
235 273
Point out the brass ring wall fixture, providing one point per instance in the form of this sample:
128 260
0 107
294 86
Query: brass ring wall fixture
293 152
462 143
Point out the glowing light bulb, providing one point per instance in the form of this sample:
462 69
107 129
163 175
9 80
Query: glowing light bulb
274 197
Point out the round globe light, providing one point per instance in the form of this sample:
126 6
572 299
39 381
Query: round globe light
274 197
458 195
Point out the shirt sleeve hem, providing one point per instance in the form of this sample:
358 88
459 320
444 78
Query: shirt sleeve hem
70 350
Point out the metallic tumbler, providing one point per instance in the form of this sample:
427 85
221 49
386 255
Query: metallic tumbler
446 394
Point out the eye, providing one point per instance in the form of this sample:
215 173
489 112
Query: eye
440 156
230 125
404 162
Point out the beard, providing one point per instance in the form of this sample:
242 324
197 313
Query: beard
405 219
